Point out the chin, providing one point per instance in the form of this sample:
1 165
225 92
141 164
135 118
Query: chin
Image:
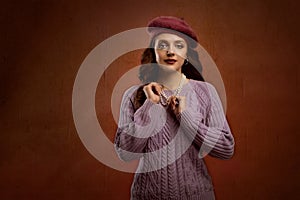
173 68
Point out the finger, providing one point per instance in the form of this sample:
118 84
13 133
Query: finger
157 87
182 102
155 90
171 106
173 103
148 91
146 88
151 87
172 98
176 102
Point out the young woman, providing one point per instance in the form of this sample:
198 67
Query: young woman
172 120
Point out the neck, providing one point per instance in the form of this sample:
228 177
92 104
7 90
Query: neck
169 80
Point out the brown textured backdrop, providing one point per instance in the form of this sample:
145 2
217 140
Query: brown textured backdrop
254 43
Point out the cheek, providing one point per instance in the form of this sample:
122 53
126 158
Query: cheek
182 53
180 62
181 57
158 55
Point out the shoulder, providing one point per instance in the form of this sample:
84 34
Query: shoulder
205 91
202 88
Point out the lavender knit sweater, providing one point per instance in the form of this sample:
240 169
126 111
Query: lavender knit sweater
171 148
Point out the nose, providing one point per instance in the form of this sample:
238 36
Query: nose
170 54
170 51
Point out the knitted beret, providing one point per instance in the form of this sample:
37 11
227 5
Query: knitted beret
165 24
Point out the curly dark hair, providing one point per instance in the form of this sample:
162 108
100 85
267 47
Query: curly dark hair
148 71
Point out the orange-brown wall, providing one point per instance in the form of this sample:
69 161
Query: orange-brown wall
254 43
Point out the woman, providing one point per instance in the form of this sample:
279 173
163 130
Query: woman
172 120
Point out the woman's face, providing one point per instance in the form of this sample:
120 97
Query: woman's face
170 51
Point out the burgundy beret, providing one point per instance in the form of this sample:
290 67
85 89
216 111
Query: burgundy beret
164 24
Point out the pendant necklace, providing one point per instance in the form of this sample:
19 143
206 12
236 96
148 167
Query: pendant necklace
164 98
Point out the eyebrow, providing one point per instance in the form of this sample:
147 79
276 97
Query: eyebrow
162 40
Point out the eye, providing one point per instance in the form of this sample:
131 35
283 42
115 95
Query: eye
179 45
162 45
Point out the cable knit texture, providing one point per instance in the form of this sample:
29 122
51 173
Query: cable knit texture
171 148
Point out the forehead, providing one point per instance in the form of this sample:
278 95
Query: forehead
169 37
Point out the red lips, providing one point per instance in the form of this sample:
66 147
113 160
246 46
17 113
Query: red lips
170 61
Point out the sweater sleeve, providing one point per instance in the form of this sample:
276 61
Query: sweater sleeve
211 132
135 127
